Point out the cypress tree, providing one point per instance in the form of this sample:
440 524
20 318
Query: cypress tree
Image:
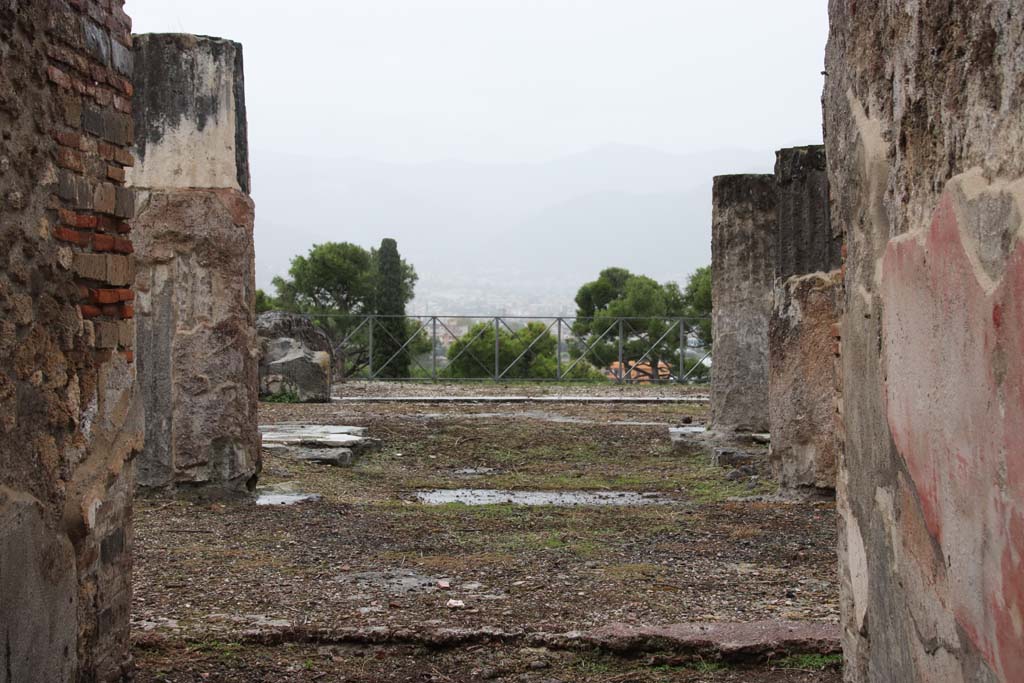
389 300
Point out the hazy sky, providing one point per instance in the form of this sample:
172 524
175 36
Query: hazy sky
506 81
492 80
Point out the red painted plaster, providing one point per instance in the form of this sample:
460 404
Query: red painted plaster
954 358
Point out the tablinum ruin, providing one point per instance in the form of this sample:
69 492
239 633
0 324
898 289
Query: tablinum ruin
925 163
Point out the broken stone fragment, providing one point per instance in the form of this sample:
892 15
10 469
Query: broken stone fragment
729 457
295 358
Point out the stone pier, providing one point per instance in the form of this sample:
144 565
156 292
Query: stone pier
196 273
70 423
802 377
742 273
925 145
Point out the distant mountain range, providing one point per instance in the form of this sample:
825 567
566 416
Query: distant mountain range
512 231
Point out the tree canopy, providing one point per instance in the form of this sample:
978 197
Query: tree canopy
535 347
620 307
697 301
337 281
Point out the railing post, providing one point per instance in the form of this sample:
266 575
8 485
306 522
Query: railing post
433 349
682 352
497 350
558 353
619 372
371 347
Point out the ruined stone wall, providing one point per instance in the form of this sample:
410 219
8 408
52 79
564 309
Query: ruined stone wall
742 273
69 421
802 368
196 270
925 142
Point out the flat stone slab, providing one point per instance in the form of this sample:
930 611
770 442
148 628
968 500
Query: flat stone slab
338 457
293 435
522 399
554 498
729 640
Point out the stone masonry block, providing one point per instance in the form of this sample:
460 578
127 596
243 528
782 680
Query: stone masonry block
91 266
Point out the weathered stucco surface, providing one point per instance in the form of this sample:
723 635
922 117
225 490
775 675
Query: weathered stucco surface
196 267
742 272
802 376
70 421
802 381
192 126
925 142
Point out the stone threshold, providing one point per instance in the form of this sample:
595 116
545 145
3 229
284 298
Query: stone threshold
523 399
735 642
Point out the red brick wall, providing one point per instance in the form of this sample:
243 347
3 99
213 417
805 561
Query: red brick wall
70 422
90 68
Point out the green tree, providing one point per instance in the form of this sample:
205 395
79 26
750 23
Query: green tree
697 302
264 302
335 283
526 353
390 359
634 310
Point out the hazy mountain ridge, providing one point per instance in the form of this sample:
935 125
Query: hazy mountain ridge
539 229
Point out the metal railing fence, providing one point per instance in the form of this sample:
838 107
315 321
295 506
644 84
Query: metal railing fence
504 348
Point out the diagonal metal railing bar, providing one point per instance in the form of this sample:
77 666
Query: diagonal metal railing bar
351 334
527 349
587 349
677 343
654 370
695 366
399 351
466 348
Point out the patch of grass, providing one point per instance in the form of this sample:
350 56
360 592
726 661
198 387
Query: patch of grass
226 652
592 665
706 483
282 397
811 662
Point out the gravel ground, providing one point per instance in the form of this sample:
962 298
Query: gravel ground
365 557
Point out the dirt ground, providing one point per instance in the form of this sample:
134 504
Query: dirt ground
233 591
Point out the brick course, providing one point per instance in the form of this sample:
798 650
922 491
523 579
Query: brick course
66 316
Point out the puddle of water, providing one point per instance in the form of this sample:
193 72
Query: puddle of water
284 498
555 498
282 494
687 430
681 434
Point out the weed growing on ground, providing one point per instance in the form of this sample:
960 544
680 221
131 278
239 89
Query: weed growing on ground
810 662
